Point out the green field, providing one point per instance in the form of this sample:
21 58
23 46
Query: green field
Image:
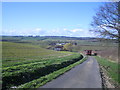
23 63
26 63
18 53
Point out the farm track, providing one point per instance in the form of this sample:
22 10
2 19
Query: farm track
85 75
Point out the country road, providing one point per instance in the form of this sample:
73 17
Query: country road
85 75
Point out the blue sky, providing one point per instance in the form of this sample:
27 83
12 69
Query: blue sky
48 18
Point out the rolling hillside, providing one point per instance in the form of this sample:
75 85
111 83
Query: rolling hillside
15 52
23 63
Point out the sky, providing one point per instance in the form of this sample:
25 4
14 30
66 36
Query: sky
48 18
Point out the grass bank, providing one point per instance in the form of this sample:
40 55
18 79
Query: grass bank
43 80
111 68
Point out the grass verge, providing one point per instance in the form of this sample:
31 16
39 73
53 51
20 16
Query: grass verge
43 80
111 68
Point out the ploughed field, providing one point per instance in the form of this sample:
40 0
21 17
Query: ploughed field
23 63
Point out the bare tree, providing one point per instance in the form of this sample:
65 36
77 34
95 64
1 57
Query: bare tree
106 22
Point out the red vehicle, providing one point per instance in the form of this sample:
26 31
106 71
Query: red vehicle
88 52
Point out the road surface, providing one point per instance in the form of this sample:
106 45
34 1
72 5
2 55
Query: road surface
85 75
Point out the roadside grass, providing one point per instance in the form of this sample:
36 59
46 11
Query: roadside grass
43 80
112 68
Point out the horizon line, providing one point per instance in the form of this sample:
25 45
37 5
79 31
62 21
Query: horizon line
43 36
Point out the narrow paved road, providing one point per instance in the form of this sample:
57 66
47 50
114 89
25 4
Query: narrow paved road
85 75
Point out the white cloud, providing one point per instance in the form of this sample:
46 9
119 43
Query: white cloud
64 29
38 29
35 31
76 30
67 31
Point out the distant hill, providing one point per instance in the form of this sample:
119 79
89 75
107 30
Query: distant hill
70 38
38 38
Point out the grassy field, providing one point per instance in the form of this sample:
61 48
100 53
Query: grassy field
23 63
26 61
112 68
18 53
105 47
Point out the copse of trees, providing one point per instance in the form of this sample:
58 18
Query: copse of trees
68 47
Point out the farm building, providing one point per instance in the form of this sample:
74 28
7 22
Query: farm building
60 43
58 48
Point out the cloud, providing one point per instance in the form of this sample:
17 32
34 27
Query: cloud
66 31
8 32
38 29
24 32
76 30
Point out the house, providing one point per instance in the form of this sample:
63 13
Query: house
58 48
60 43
